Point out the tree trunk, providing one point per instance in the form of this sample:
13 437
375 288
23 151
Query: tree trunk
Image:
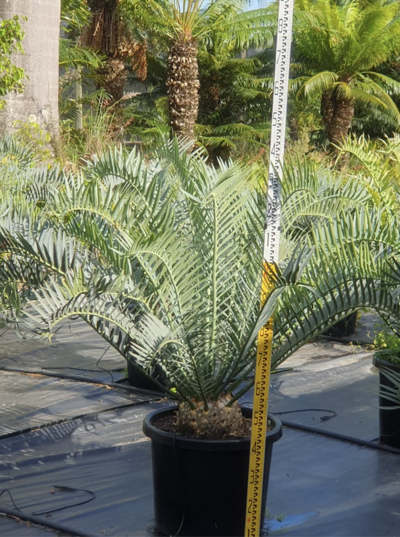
113 79
337 113
39 101
104 36
183 87
109 35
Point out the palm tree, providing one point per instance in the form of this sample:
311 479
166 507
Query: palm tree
108 34
234 105
187 24
339 46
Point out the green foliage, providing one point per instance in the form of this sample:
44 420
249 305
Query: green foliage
387 345
376 165
147 118
203 20
99 132
339 46
235 99
75 15
163 259
72 55
31 135
78 63
11 76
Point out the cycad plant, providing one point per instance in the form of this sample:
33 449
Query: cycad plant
187 24
339 46
164 260
376 165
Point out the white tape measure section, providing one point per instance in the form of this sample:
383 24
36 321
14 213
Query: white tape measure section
278 129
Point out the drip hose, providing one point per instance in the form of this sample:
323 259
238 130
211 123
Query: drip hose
339 436
44 523
79 378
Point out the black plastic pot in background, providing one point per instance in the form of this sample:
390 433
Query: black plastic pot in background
139 380
200 486
343 328
389 420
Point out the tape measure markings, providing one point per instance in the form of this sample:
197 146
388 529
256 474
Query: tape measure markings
271 256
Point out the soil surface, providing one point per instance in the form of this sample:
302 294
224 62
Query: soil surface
167 424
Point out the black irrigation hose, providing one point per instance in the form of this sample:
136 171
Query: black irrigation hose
322 418
329 434
82 379
58 487
44 523
339 436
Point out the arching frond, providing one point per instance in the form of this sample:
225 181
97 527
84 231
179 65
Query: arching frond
72 56
390 107
315 85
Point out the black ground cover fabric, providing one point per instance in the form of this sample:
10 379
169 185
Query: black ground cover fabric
318 486
76 349
349 390
10 527
29 401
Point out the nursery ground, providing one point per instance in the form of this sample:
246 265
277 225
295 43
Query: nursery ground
61 426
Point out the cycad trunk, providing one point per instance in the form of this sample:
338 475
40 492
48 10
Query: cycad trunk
217 422
39 101
183 87
337 113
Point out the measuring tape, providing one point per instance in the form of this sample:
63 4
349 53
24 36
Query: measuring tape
271 257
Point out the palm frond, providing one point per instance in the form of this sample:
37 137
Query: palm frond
315 85
73 55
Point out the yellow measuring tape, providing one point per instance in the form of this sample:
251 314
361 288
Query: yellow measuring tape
259 419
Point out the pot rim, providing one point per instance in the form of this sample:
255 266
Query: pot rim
184 442
379 363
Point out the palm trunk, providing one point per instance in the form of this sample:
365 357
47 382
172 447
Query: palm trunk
39 101
183 87
337 113
104 36
114 76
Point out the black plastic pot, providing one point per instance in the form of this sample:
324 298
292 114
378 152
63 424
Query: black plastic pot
200 486
389 420
343 328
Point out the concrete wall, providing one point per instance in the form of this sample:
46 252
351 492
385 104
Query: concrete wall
39 102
